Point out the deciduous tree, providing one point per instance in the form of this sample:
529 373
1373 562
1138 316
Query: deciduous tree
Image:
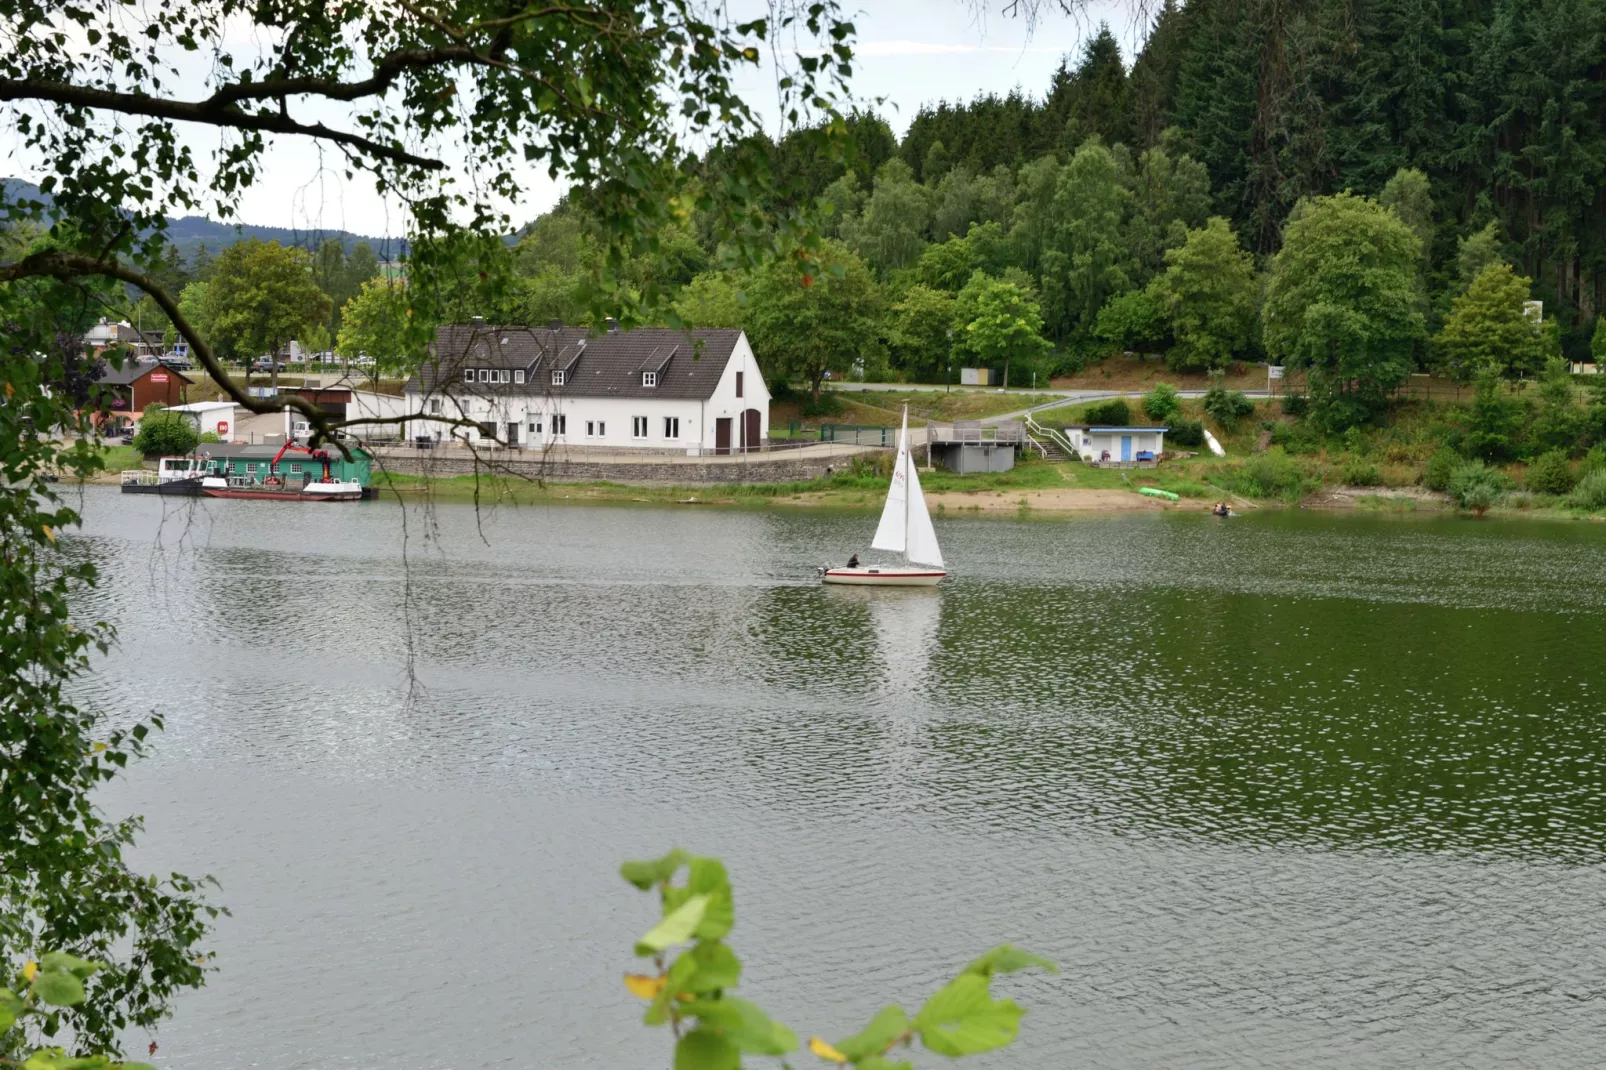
1488 328
807 325
261 297
1209 294
999 322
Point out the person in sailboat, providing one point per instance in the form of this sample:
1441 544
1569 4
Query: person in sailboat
853 561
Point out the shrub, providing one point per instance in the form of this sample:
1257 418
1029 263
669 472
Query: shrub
1113 413
1441 466
1272 474
1358 473
1551 474
1296 405
1476 486
1590 493
1224 406
1186 432
210 436
163 434
1296 438
828 405
1162 403
1594 461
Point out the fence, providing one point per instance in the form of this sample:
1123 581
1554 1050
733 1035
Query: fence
859 434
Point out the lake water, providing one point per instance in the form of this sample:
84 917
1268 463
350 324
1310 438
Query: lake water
1292 790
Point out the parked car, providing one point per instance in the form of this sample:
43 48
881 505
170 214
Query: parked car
267 364
177 363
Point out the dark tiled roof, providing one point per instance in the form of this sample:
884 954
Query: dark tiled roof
132 370
689 363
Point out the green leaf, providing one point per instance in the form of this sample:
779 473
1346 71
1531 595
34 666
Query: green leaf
886 1027
1007 958
743 1024
881 1062
675 979
59 989
703 1049
646 874
708 877
717 967
676 927
59 962
962 1018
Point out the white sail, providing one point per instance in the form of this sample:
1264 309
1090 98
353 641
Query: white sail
893 531
920 541
905 525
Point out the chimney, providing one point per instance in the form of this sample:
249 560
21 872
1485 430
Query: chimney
477 321
613 325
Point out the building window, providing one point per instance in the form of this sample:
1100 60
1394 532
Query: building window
738 384
671 427
434 406
638 427
468 375
485 375
596 429
507 376
535 425
649 378
557 378
518 375
560 424
295 469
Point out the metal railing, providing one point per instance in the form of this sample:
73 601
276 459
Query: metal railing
1058 438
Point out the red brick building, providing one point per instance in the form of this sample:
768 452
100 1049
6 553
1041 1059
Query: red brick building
137 386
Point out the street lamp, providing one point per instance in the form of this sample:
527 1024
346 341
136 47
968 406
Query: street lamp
950 360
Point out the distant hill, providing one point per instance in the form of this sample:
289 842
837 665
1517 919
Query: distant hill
189 233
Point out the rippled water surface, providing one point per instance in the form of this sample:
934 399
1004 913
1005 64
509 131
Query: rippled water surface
1291 790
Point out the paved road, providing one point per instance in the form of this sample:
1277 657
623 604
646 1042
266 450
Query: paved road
1061 397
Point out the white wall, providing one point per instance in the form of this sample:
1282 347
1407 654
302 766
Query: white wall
1092 445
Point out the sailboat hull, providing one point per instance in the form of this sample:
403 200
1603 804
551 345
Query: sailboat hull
885 576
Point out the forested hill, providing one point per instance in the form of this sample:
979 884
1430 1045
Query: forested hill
1501 103
189 233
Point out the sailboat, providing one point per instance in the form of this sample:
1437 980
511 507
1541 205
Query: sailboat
905 528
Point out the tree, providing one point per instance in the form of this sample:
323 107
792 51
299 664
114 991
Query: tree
261 297
713 299
1597 343
1162 403
1488 328
1559 423
1476 251
1208 292
1086 260
1133 321
374 325
1409 194
1493 421
162 433
889 233
1341 302
808 325
920 330
999 322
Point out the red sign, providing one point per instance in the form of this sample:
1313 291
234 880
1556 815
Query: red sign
158 377
222 427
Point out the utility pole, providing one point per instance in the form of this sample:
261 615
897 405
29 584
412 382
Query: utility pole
950 360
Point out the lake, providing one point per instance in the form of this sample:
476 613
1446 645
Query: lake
1296 789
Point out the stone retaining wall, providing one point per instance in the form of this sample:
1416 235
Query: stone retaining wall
691 472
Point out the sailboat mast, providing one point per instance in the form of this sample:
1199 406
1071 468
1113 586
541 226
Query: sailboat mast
903 459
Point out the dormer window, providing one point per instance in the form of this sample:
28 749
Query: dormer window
518 375
485 375
557 378
649 378
468 375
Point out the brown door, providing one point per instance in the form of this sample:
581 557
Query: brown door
722 435
750 430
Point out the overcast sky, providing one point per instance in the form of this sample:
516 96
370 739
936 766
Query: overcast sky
910 52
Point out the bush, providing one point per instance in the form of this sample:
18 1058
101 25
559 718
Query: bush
210 436
1590 493
1113 413
1224 406
1594 460
165 434
1272 474
1551 474
1162 403
1296 405
1441 466
1358 473
1186 432
828 405
1476 486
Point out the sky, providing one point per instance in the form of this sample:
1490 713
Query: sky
909 53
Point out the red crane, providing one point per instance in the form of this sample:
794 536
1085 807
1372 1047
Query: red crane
317 455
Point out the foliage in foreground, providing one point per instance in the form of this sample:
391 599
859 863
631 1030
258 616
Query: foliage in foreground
51 985
696 971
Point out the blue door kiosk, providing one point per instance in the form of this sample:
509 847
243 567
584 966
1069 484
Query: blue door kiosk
1126 447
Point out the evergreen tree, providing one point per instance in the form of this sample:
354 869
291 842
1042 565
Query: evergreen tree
1100 92
1152 85
1488 329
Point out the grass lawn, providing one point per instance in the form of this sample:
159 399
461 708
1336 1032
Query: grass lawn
119 458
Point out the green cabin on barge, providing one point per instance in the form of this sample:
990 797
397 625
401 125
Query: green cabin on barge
251 462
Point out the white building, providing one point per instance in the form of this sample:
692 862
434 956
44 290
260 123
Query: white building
1118 446
214 416
539 387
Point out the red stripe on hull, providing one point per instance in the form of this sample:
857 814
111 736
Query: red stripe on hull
282 495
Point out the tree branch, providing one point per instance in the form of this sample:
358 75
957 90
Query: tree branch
213 112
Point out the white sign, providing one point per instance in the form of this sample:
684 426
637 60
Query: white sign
1274 371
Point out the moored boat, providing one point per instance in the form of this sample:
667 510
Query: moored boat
905 528
319 491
